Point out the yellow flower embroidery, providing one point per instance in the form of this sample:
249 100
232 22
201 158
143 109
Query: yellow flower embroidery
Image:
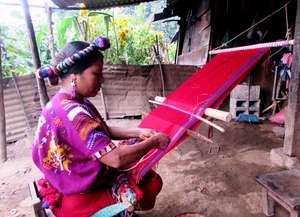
58 157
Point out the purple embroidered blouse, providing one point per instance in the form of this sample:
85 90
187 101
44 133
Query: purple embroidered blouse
70 136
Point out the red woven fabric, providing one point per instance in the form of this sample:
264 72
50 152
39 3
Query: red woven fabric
207 88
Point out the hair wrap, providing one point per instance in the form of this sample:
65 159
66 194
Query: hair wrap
52 72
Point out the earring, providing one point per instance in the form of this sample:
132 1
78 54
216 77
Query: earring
73 91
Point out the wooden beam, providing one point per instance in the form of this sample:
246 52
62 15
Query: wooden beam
50 30
35 54
3 152
292 122
19 5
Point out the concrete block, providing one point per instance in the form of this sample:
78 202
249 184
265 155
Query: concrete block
239 106
241 92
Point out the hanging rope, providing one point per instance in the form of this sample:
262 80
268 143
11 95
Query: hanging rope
288 32
246 30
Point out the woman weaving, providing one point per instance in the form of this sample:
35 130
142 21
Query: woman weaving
73 145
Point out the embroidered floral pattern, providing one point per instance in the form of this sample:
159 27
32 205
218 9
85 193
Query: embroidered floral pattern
59 157
68 141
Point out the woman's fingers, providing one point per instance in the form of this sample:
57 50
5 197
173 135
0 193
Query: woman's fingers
146 133
162 140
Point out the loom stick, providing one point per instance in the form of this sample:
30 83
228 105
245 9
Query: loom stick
198 136
255 46
213 113
191 114
218 114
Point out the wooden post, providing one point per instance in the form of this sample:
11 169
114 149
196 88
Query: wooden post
50 30
35 54
3 153
292 122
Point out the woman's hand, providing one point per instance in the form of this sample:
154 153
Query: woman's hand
146 133
161 140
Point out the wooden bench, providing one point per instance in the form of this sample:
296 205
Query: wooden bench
283 188
39 211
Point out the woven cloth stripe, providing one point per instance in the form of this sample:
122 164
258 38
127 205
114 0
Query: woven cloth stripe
207 88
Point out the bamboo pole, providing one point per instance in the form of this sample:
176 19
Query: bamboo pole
3 151
35 54
158 59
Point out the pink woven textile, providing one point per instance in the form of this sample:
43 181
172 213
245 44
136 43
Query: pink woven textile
207 88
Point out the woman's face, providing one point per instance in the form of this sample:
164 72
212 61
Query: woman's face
89 82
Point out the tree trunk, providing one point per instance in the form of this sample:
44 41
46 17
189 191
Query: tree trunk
50 30
3 153
292 122
35 54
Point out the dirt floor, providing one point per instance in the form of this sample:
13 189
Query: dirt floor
212 180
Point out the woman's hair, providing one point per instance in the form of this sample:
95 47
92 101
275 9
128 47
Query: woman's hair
80 65
74 58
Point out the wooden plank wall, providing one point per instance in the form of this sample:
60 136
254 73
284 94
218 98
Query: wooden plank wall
196 37
126 93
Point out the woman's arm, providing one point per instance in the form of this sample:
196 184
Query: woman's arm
124 155
118 133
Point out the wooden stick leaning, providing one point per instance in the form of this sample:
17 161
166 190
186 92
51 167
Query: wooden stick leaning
191 114
199 136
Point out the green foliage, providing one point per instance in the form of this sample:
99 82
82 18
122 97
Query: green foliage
132 34
41 33
66 30
16 57
130 29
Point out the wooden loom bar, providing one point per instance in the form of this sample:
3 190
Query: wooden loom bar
199 136
255 46
218 114
213 113
191 114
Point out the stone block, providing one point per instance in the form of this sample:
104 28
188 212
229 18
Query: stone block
241 92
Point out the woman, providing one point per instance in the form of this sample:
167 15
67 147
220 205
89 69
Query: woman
73 145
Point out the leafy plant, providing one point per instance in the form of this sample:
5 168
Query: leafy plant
132 34
130 29
66 30
16 57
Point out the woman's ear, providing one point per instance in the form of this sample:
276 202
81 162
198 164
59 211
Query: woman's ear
74 77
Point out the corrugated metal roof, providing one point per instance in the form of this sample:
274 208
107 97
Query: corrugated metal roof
96 4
